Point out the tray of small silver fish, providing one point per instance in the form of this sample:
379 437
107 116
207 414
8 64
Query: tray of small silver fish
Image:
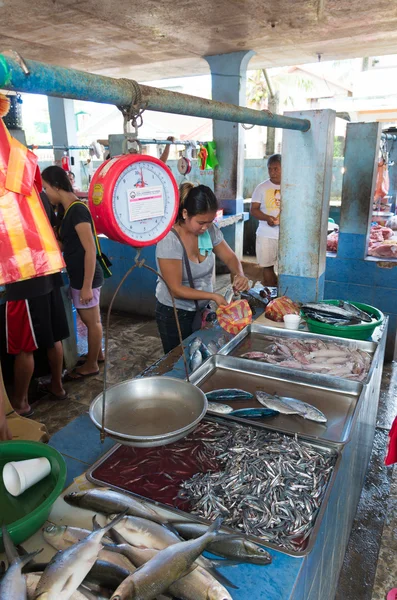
283 402
270 486
321 355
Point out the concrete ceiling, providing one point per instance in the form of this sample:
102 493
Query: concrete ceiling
153 39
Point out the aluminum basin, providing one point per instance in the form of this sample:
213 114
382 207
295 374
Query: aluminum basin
150 411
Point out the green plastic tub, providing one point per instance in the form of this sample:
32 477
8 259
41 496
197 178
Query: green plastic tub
355 332
25 514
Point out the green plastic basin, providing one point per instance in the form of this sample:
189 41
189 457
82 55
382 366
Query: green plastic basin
355 332
25 514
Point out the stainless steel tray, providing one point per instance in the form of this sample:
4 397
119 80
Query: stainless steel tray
172 512
338 399
250 339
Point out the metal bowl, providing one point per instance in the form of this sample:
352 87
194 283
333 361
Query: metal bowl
150 411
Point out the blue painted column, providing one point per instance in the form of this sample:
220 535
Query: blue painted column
64 131
228 73
361 157
305 194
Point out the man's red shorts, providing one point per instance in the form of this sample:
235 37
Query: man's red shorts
35 323
19 327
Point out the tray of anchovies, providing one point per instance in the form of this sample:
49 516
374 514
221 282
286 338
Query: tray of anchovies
270 486
299 351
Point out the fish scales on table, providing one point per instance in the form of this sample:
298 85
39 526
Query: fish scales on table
270 485
317 356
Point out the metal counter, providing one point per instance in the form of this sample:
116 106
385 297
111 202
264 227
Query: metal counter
253 338
173 513
338 399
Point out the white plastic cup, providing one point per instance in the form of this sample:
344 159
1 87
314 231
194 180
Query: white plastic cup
292 321
21 475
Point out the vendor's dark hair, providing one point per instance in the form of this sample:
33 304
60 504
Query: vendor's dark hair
196 199
273 159
57 178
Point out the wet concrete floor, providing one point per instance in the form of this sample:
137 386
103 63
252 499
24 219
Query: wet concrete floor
370 564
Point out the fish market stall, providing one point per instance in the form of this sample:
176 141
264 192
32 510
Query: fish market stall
280 481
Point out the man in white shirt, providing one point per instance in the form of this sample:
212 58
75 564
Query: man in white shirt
265 206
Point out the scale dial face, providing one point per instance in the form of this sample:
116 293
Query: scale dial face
140 200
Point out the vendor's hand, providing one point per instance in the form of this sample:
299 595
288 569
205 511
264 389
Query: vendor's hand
86 295
170 138
219 299
240 283
272 221
5 433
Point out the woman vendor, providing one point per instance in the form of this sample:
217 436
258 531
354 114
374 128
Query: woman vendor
185 259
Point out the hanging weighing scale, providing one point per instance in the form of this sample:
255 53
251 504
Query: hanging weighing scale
184 164
134 199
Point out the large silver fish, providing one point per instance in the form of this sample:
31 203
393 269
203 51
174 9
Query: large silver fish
194 345
62 537
13 584
147 534
196 585
165 568
237 548
107 501
68 568
195 360
291 406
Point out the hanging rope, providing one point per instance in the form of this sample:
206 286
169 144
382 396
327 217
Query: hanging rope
140 264
132 114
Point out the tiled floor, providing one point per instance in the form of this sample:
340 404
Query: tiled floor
370 566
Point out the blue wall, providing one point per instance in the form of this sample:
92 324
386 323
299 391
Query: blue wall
352 275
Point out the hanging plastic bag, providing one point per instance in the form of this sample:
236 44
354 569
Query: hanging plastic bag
235 316
28 247
391 454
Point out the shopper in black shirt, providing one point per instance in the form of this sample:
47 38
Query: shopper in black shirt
86 278
36 318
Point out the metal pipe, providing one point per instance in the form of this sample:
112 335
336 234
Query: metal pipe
168 142
70 83
35 147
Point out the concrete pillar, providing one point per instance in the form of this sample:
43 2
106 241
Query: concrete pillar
228 73
361 158
305 194
64 132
